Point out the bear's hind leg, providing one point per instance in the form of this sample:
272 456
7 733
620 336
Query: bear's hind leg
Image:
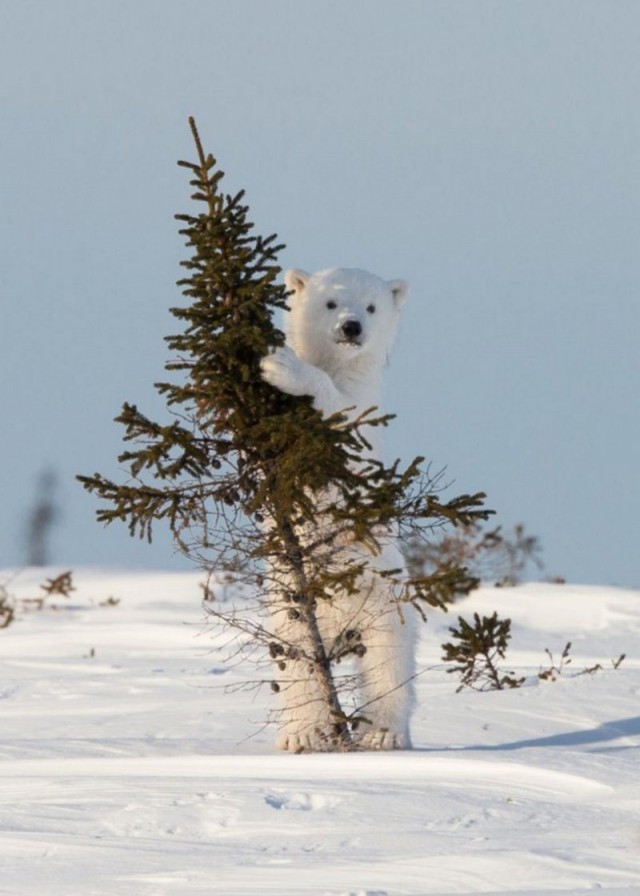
387 672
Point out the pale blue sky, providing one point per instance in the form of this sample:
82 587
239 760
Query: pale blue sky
488 151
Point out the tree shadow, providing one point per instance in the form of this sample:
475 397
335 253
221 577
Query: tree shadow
608 731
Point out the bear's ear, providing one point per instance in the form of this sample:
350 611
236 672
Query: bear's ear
296 280
399 291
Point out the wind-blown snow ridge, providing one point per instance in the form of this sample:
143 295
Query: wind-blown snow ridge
370 767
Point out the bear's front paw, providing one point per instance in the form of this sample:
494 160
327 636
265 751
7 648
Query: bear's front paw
284 370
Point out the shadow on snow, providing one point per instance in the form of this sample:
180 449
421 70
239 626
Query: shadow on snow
608 731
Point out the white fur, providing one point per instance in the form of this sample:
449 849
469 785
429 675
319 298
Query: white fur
340 329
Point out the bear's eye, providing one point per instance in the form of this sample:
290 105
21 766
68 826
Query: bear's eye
371 309
331 305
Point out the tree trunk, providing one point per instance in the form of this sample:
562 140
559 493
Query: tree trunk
320 662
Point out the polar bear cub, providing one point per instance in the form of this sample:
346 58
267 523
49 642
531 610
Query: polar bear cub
340 327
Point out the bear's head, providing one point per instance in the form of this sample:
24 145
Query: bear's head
342 314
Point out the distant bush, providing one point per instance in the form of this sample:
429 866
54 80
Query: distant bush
556 669
7 608
499 555
60 585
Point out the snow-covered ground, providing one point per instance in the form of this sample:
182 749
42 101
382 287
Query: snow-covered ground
130 764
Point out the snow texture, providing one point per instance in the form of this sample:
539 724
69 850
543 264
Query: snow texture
130 763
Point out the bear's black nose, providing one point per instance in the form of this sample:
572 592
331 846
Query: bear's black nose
352 329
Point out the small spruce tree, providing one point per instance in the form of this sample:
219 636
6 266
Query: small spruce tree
254 481
476 650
